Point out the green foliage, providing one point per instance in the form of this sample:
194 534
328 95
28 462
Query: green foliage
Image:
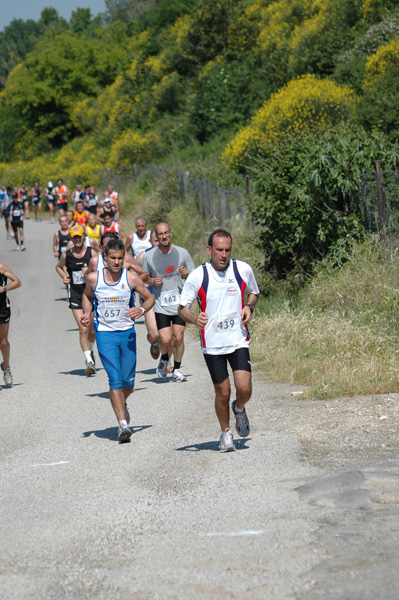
306 195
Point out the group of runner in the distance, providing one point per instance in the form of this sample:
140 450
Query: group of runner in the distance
102 280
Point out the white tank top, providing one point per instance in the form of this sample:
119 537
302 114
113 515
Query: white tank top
139 245
100 262
112 302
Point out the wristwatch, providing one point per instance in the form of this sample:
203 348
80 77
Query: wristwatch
5 288
142 310
251 307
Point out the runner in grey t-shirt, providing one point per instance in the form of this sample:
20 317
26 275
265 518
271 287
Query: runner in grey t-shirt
168 267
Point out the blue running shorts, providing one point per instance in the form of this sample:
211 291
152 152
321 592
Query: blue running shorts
117 350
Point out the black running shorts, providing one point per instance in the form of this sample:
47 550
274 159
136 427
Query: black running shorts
5 314
167 320
217 363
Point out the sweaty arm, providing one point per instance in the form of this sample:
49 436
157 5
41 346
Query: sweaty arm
15 281
132 265
138 286
87 298
61 270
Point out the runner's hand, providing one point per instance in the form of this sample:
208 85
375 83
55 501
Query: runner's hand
202 320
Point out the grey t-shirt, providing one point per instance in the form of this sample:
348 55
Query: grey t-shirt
156 263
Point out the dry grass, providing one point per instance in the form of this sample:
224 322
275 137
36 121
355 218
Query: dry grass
342 338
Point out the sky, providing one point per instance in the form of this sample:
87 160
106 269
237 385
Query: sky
31 9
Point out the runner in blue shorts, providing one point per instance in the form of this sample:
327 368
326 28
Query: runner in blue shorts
111 292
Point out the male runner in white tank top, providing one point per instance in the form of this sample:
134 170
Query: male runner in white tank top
111 292
220 287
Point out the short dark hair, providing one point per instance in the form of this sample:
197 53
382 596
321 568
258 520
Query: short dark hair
114 245
219 233
109 234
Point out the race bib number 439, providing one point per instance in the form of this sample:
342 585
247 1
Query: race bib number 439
226 323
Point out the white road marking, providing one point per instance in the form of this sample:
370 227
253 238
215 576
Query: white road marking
235 533
61 462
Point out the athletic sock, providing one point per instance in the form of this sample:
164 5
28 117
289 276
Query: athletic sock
176 365
122 422
87 354
91 346
238 410
165 357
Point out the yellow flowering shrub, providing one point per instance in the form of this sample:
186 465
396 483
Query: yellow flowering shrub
304 103
386 58
133 147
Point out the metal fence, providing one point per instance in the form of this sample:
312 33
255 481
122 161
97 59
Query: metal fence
213 201
379 202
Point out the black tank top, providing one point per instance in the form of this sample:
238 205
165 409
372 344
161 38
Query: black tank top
4 301
62 242
74 266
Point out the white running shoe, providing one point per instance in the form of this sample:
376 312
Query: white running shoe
7 375
162 368
226 443
178 376
124 434
90 368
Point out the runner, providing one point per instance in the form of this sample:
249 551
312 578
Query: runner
93 229
116 205
77 194
5 211
71 267
111 291
36 193
17 223
150 321
24 198
62 196
80 216
51 200
5 314
168 265
106 208
91 200
139 240
219 287
110 225
129 263
61 237
70 215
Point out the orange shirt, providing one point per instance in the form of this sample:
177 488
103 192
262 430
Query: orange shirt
81 218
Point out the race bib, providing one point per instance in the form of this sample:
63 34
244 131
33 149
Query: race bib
111 311
16 213
170 298
77 277
226 323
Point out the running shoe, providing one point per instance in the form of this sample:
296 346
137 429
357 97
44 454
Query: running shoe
127 413
162 368
154 350
124 434
226 443
93 358
23 247
242 422
170 366
18 248
12 234
90 368
178 376
7 375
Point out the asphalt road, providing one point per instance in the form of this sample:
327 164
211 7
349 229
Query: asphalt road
166 516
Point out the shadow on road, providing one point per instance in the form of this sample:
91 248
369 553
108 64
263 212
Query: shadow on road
60 299
80 372
111 433
214 446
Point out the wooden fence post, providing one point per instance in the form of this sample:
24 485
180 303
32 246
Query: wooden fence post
380 201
